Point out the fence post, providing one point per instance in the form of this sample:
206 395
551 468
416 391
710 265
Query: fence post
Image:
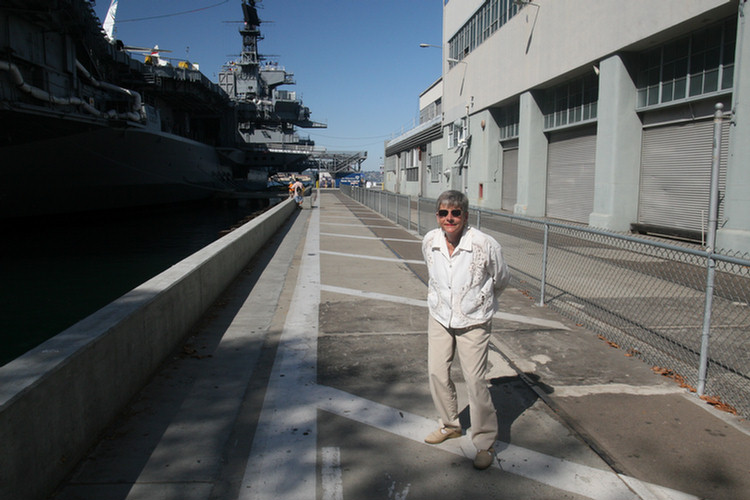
419 215
713 216
544 264
479 219
408 204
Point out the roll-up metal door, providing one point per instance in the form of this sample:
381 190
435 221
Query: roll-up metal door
510 176
571 157
676 174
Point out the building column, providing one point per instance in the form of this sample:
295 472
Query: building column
486 161
531 197
735 235
618 149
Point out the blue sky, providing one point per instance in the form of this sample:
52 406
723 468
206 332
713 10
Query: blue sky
357 63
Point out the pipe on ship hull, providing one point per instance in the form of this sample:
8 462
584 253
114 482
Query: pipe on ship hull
43 95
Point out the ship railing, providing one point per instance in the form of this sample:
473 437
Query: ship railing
293 147
154 73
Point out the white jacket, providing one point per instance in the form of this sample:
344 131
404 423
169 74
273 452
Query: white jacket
464 287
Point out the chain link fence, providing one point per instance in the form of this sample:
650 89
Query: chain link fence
644 295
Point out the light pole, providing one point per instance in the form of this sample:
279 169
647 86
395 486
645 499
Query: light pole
441 47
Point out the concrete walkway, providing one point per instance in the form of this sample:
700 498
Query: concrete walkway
308 380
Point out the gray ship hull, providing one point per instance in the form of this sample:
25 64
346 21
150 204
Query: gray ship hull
107 168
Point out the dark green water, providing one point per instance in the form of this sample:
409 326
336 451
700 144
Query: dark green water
54 273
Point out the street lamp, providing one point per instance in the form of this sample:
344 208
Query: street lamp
449 59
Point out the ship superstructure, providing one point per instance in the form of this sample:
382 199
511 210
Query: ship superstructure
266 116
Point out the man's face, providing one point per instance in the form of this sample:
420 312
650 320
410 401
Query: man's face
451 220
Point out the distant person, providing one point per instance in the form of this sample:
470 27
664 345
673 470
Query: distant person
467 274
298 191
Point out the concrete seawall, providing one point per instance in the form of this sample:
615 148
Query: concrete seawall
56 399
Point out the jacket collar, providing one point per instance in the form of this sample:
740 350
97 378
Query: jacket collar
464 244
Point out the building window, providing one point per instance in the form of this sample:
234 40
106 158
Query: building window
391 163
508 118
690 67
436 167
430 111
456 132
572 102
413 158
483 23
412 174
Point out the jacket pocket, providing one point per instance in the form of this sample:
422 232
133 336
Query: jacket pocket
433 297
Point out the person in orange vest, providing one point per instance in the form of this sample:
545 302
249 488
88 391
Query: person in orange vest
298 191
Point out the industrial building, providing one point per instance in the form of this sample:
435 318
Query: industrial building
598 112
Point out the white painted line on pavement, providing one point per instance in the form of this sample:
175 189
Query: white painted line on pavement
647 491
341 209
517 318
374 295
371 257
394 493
546 323
340 235
389 226
333 487
348 217
574 391
286 435
556 472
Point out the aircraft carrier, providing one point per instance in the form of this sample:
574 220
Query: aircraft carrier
86 126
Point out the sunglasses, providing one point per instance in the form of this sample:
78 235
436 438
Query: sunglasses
456 212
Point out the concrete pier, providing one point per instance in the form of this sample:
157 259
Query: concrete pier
56 400
306 379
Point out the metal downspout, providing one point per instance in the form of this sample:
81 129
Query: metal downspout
713 216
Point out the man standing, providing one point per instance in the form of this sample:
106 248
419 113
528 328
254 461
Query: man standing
466 275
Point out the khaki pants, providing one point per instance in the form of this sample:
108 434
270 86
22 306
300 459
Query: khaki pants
471 344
